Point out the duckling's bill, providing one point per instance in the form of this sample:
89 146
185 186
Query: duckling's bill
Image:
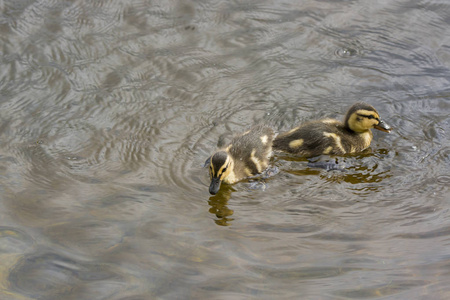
383 126
214 186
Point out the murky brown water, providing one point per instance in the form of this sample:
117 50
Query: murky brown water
109 108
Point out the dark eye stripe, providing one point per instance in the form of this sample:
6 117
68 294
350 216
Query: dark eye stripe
368 117
224 169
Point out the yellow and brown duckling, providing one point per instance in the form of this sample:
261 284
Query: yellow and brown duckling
331 136
246 155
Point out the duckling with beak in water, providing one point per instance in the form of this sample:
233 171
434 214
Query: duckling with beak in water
246 155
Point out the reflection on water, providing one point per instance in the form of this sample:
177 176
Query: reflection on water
219 206
108 110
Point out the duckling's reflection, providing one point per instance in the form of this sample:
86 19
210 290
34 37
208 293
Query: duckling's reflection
219 206
367 167
363 167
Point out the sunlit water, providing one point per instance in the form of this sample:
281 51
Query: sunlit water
109 109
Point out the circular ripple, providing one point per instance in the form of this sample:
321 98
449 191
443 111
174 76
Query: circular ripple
45 275
346 52
88 236
52 276
13 240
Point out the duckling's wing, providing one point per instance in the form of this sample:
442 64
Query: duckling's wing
252 149
257 138
308 140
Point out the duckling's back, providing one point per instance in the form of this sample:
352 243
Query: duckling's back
251 150
318 137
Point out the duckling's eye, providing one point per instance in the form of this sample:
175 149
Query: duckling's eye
371 117
224 170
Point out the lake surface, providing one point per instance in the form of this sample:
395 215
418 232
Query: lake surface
108 110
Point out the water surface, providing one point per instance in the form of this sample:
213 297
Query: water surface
108 110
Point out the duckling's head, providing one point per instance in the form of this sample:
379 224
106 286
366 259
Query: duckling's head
220 167
362 117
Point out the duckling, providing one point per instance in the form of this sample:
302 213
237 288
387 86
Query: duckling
246 155
332 137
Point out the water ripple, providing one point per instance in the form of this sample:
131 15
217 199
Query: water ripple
49 276
109 109
14 241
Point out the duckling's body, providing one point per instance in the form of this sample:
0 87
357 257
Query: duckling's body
331 136
246 155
